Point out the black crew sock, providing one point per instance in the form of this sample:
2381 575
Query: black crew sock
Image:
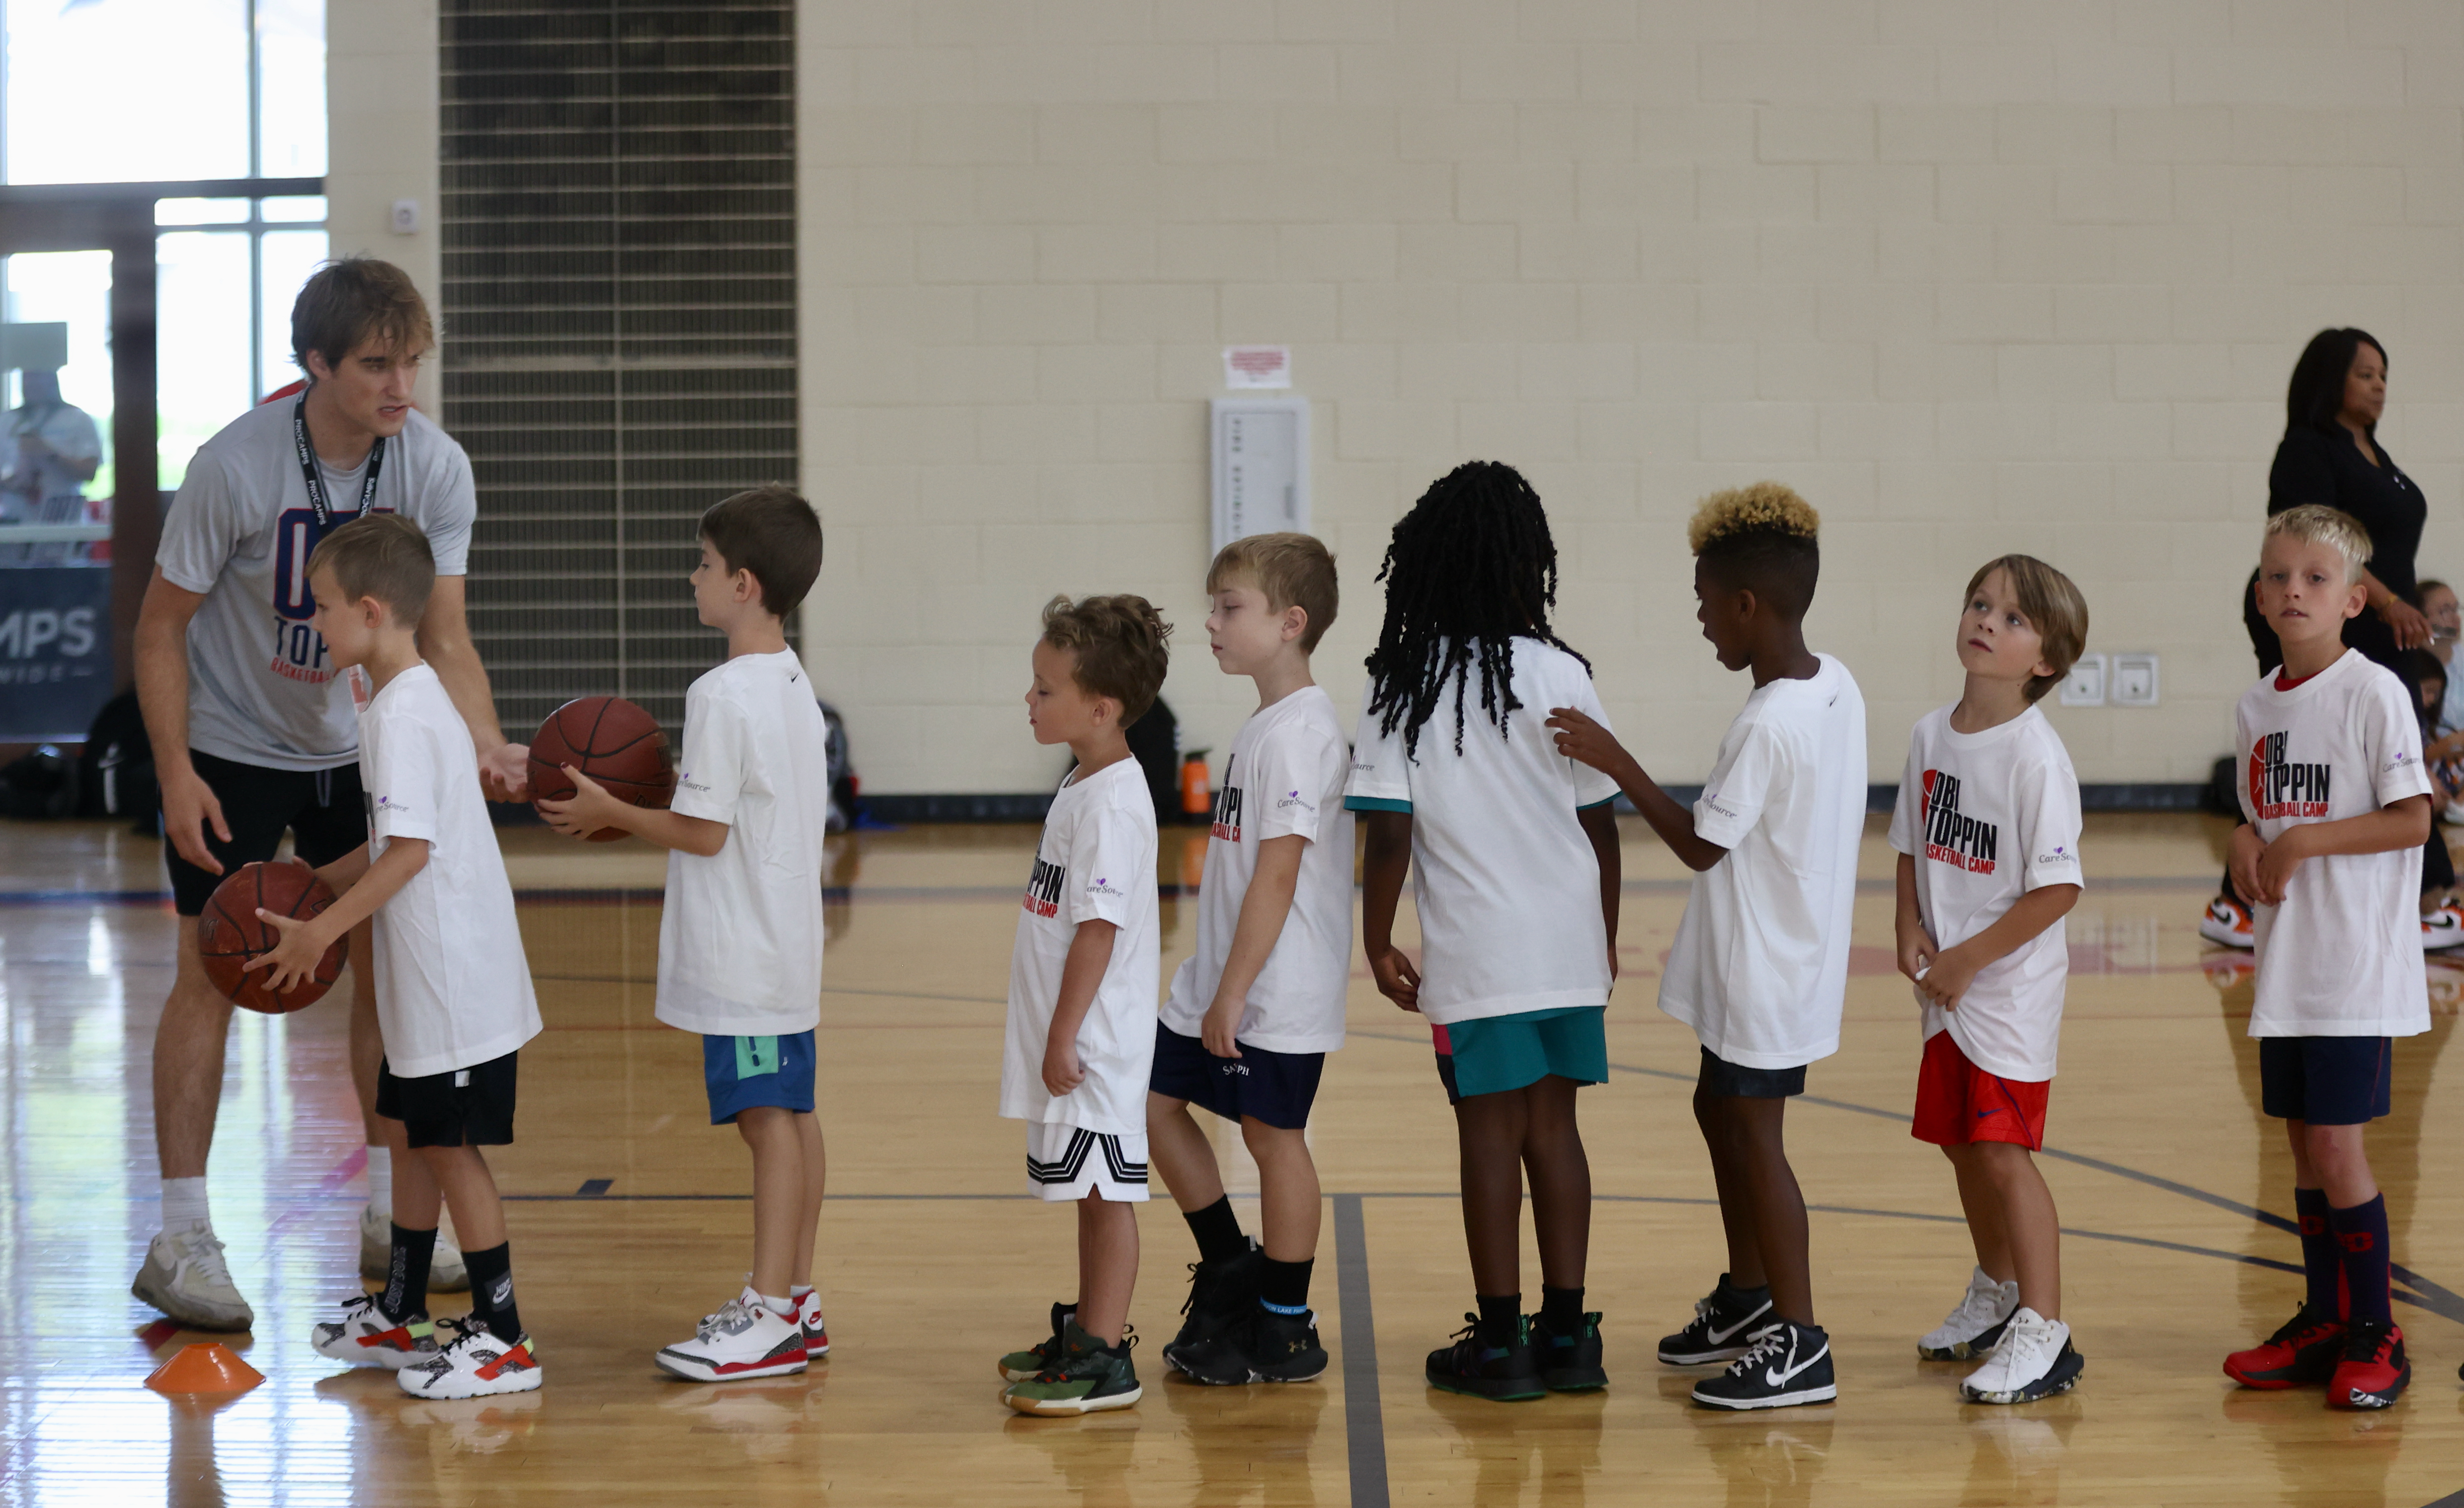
491 1291
405 1289
1500 1317
2322 1260
1218 1231
1561 1310
1753 1297
1283 1286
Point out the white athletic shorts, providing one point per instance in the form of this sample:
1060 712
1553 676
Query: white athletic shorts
1066 1161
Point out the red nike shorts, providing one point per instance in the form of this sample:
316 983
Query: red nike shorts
1958 1103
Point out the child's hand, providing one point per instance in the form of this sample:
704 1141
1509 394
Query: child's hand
1916 951
1223 1020
1396 978
294 958
1586 743
588 809
2274 867
1062 1069
1948 975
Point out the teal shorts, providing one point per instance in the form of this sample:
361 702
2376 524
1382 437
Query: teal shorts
1496 1053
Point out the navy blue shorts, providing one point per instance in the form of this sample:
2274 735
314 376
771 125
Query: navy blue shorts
1277 1088
2326 1080
1735 1080
749 1073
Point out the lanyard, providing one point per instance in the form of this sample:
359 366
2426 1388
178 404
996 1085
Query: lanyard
315 481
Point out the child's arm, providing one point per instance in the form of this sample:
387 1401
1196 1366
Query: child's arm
304 942
1268 902
344 872
1585 742
1916 945
1091 953
1599 825
2399 825
1955 969
591 809
1386 856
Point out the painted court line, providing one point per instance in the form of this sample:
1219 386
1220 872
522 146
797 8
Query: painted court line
1364 1420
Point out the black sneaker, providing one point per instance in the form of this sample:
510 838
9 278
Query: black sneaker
1569 1364
1472 1367
1282 1347
1221 1293
1725 1324
1787 1365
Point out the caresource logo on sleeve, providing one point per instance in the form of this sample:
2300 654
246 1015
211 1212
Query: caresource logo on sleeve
1104 887
686 782
1291 799
2062 854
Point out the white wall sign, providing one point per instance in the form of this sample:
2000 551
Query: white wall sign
1261 464
1257 366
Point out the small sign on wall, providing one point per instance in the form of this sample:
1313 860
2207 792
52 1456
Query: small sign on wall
1257 366
1261 453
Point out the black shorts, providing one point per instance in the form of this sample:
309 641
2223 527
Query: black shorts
1735 1080
323 810
1277 1088
2326 1081
465 1107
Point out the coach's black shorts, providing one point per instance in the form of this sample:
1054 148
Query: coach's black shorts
321 808
1720 1077
465 1107
2326 1080
1277 1088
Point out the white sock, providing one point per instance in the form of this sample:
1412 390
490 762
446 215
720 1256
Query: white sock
184 1205
798 1291
381 1180
783 1308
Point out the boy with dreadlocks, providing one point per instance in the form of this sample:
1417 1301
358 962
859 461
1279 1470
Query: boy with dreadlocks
1516 849
1760 966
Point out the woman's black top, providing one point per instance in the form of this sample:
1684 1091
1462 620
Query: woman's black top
2312 466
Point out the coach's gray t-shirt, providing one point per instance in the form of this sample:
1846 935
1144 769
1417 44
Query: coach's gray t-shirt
261 687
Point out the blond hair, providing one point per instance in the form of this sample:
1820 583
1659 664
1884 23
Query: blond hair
1290 570
1762 539
2316 524
380 555
2053 606
1764 506
1116 648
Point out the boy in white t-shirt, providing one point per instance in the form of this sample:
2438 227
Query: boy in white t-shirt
1254 1011
741 935
453 988
1760 965
1988 832
1080 1046
2336 810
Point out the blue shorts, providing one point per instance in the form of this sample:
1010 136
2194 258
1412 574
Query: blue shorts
751 1073
2326 1080
1496 1053
1277 1088
1736 1081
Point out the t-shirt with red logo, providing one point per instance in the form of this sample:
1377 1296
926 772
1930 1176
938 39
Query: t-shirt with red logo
2342 956
1989 818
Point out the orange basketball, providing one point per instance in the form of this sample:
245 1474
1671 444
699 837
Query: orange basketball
231 933
612 742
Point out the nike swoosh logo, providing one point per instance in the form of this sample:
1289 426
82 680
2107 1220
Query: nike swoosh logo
1779 1379
1720 1337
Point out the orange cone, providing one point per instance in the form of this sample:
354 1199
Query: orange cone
206 1368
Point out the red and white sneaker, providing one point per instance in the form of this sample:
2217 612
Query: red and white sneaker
2374 1370
2302 1350
2442 928
816 1335
744 1338
361 1335
2228 923
474 1364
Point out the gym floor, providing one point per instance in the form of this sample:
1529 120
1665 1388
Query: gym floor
631 1218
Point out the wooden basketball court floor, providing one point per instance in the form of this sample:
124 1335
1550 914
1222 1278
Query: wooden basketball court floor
630 1219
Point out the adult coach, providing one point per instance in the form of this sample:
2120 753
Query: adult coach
252 735
2331 454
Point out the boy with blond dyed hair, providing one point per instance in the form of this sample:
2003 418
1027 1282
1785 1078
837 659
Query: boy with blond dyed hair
1254 1011
2336 808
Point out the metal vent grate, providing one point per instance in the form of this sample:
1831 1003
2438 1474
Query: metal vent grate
620 310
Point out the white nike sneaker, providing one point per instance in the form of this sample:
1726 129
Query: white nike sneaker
2228 923
445 1274
2443 927
474 1365
744 1338
361 1335
2033 1361
816 1335
1972 1327
185 1277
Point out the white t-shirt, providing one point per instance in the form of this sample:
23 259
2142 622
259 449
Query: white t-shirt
740 937
1284 776
1503 878
454 987
1760 965
2342 956
1095 862
1988 817
240 532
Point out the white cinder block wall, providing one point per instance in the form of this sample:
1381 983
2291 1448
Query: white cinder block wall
380 101
1975 276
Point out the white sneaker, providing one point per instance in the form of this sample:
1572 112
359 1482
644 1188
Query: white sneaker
1976 1324
475 1364
2443 927
744 1338
2033 1361
185 1277
816 1335
445 1274
2228 923
361 1335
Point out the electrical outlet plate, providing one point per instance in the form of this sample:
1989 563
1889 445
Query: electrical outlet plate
2135 682
2084 686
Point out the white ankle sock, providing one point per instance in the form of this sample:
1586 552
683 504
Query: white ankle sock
798 1291
783 1308
184 1204
381 1180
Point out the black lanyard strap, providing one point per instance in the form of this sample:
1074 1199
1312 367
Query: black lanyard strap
315 481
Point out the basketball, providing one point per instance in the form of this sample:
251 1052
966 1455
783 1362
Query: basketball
612 742
229 933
